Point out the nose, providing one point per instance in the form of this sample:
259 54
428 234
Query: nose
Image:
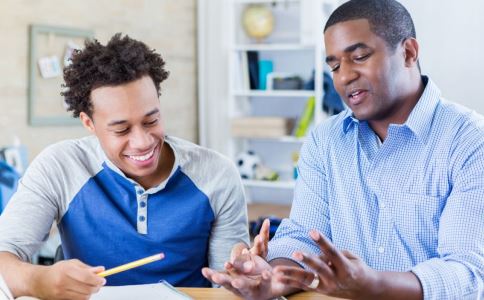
346 74
140 139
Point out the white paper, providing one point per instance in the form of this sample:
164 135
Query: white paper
157 291
5 293
49 66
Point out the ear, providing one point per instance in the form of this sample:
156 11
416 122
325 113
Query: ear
410 46
87 122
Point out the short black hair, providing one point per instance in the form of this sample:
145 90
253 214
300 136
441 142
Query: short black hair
388 19
121 61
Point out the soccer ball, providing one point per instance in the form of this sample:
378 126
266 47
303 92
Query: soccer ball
247 163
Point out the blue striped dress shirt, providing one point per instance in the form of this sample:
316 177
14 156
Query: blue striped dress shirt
414 203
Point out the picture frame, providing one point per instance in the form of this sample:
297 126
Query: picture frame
49 50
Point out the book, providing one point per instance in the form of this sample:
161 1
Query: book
261 126
253 63
244 79
265 67
306 118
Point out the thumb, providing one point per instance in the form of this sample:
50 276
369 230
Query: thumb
97 269
78 263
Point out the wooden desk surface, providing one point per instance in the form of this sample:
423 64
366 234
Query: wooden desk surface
221 293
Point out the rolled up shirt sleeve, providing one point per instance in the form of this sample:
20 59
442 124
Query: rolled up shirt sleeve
309 208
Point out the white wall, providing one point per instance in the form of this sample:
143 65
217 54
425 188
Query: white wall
451 37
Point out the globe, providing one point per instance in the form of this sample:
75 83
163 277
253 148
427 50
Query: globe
257 21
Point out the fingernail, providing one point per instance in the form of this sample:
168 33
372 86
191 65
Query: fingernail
245 251
314 235
298 256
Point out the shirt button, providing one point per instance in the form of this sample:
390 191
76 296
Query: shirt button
142 204
139 192
141 218
381 249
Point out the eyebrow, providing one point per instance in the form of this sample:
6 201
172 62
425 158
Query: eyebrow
348 49
119 122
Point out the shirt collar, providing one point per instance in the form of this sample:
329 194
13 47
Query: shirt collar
420 119
349 120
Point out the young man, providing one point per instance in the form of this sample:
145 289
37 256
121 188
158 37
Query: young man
390 191
125 193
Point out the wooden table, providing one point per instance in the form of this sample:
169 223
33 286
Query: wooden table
223 294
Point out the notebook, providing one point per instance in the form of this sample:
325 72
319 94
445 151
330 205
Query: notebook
156 291
5 293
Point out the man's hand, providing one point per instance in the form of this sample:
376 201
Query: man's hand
260 243
339 273
248 275
69 279
252 261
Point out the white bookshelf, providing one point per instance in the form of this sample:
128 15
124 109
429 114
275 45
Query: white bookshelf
294 47
274 93
274 47
282 185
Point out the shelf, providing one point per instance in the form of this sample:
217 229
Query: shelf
274 93
282 139
288 185
274 47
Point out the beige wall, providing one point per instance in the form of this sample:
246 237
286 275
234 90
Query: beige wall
165 25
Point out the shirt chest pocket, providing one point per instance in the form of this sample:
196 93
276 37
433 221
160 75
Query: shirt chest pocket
430 179
421 201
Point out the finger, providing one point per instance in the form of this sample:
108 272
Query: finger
256 248
237 250
78 263
262 239
333 255
97 269
247 285
74 295
217 277
244 262
315 263
349 254
209 274
78 271
80 288
87 276
296 273
82 265
290 281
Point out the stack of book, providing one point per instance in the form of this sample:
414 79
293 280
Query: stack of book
262 127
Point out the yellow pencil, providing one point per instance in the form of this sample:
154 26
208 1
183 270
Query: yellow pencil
131 265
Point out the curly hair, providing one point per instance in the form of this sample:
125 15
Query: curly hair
121 61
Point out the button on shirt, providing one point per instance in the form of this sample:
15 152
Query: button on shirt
413 203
